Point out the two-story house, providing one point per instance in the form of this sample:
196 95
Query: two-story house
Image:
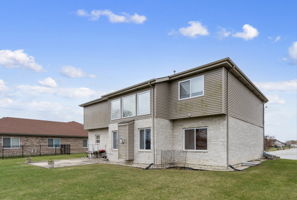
208 116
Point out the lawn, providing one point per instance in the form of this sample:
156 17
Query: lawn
271 180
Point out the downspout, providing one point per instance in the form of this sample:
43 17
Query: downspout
227 134
153 124
263 128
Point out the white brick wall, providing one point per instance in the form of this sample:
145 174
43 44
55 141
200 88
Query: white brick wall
216 140
245 141
143 156
92 146
112 154
164 139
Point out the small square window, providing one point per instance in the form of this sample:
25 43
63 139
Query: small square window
191 88
195 139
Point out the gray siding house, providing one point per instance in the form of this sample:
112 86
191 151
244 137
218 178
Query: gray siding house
211 116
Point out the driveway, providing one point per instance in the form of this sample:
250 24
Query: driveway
286 154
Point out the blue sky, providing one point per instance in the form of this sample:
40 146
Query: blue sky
55 55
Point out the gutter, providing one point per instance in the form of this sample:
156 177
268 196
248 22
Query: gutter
227 111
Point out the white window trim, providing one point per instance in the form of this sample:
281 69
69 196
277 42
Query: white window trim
10 143
112 139
194 150
137 105
119 99
53 143
191 97
144 150
123 106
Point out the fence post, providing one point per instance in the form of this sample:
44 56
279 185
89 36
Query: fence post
22 150
2 152
40 149
55 150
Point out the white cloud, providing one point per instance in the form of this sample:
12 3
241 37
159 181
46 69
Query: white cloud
293 52
223 33
290 85
249 32
35 89
194 29
40 109
5 102
275 99
2 85
74 72
50 82
81 92
18 58
81 12
274 39
112 17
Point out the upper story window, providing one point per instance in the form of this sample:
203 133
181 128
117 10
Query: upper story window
128 106
190 88
116 109
144 103
11 142
132 105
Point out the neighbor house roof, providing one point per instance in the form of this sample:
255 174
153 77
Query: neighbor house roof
31 127
225 62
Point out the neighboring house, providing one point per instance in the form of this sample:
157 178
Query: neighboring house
24 137
211 116
278 144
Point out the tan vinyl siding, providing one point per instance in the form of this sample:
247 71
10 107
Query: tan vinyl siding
209 104
161 98
96 116
135 117
242 103
130 141
126 133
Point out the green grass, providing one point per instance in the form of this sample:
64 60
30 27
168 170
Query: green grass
271 180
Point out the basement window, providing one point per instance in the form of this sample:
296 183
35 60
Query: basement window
191 88
195 139
145 139
11 142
